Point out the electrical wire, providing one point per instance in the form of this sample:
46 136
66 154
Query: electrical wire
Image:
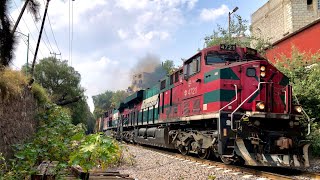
53 34
32 37
33 19
25 41
71 32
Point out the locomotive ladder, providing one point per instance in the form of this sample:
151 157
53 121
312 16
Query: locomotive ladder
254 92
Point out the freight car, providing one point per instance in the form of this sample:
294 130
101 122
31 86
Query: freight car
226 101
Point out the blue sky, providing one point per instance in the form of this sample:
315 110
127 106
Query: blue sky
110 36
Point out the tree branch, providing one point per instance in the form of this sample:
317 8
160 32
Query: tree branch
66 102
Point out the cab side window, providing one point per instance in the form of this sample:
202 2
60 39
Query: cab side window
192 66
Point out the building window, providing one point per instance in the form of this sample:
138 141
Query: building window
318 4
309 4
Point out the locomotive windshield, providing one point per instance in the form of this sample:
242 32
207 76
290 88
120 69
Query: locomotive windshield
218 57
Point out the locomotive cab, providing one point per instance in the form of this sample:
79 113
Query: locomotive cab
251 96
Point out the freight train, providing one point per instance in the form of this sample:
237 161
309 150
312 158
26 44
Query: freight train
226 102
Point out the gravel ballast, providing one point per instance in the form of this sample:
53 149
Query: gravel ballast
149 165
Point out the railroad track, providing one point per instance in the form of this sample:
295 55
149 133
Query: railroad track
281 173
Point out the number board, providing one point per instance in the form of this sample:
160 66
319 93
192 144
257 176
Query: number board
228 47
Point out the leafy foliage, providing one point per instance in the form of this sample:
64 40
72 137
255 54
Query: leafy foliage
52 142
102 102
95 149
58 78
57 139
62 82
238 35
168 66
107 100
118 97
40 94
303 69
33 7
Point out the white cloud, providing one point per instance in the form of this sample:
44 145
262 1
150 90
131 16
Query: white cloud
100 74
213 14
143 25
122 34
191 3
132 4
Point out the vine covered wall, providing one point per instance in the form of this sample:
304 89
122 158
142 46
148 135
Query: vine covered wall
17 120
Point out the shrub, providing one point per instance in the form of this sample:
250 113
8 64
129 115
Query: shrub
57 139
11 83
95 149
303 70
40 94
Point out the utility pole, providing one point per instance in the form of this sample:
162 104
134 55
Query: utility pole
229 20
55 54
39 38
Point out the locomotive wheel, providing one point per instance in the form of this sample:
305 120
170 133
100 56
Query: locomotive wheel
184 150
226 160
203 153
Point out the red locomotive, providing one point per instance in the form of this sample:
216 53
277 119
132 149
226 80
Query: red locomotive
226 101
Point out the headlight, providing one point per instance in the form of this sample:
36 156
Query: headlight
260 105
291 123
298 109
262 68
262 74
257 123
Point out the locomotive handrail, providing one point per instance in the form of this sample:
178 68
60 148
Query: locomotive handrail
304 112
245 101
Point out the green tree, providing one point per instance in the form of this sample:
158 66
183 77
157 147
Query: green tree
118 97
62 83
102 102
107 100
238 35
168 66
303 70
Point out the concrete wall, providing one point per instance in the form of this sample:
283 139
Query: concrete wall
17 121
304 41
278 18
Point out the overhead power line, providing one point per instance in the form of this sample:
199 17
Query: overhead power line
44 34
71 30
54 38
25 41
53 35
32 37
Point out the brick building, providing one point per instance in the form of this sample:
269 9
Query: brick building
138 80
279 18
